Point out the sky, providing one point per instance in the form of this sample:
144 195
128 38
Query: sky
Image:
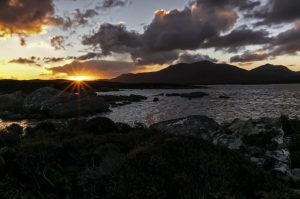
101 39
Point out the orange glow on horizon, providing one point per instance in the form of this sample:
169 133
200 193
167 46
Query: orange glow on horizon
80 78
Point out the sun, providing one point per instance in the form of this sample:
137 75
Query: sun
79 78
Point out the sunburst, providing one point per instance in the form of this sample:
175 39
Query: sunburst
80 78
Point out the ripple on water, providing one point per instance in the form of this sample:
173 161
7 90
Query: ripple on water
246 101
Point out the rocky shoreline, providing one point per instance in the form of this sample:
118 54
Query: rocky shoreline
97 158
47 102
67 156
265 141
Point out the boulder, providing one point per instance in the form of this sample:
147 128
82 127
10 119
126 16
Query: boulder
263 140
44 98
59 104
201 126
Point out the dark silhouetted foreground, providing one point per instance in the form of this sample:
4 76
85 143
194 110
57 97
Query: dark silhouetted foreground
101 159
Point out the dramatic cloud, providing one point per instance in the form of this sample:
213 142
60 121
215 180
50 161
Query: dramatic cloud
26 17
238 38
95 68
278 11
286 43
113 38
169 33
173 30
191 58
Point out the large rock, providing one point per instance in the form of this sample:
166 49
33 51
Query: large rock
263 141
193 125
59 104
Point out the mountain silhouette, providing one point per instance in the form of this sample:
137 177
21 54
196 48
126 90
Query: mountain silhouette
272 70
206 72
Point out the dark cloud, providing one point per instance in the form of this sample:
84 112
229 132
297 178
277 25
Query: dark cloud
78 18
250 57
286 43
238 38
49 60
169 33
96 68
81 18
38 61
26 61
88 56
145 57
22 41
239 4
278 11
26 17
174 30
202 24
192 58
106 4
113 38
57 42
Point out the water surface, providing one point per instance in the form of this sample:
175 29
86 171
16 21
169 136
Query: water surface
246 101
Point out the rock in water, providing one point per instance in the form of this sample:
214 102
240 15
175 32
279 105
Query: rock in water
59 104
224 97
156 99
188 95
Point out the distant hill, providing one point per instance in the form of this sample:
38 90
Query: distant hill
272 70
206 72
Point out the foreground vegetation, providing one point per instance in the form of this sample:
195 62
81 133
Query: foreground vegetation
101 159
